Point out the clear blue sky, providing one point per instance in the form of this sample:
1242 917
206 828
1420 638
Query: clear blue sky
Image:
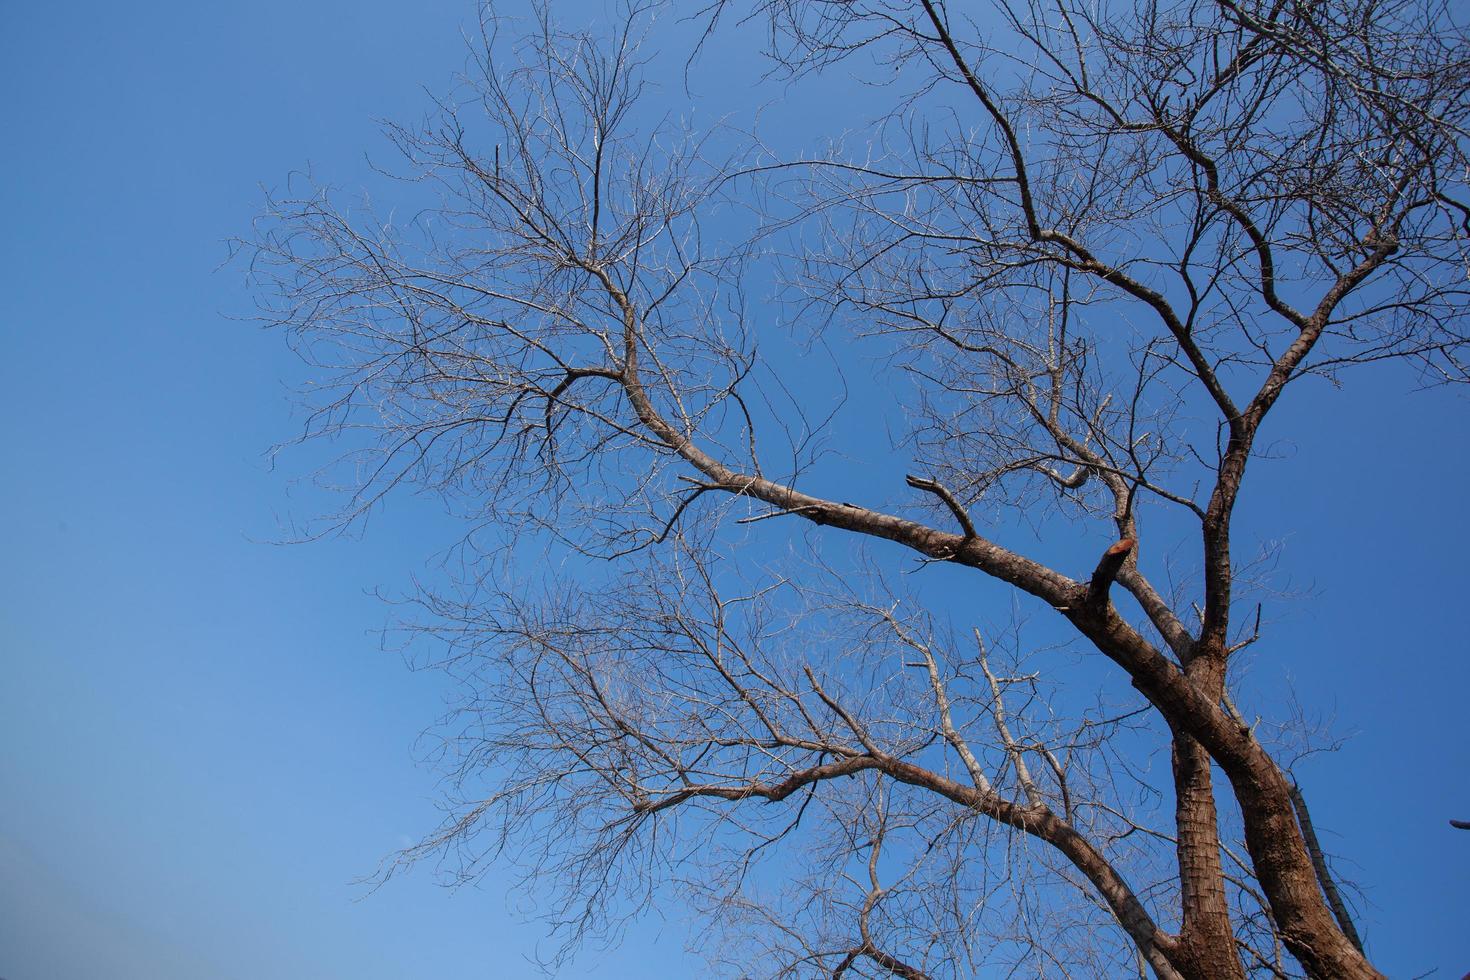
203 745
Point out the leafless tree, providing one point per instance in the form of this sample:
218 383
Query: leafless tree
1094 245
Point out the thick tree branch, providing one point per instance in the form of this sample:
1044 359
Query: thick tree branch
1036 821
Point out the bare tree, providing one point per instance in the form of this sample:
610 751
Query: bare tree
1096 244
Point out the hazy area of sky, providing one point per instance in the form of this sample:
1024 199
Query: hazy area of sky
204 747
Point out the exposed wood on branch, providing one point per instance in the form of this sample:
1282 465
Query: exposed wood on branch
1107 570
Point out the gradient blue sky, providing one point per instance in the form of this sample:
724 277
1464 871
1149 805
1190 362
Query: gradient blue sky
203 745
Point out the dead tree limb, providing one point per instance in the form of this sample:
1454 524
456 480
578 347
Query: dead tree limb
1107 570
1324 874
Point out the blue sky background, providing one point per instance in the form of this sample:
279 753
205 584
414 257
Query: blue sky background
203 744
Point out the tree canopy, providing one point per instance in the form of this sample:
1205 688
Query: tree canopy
1091 247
